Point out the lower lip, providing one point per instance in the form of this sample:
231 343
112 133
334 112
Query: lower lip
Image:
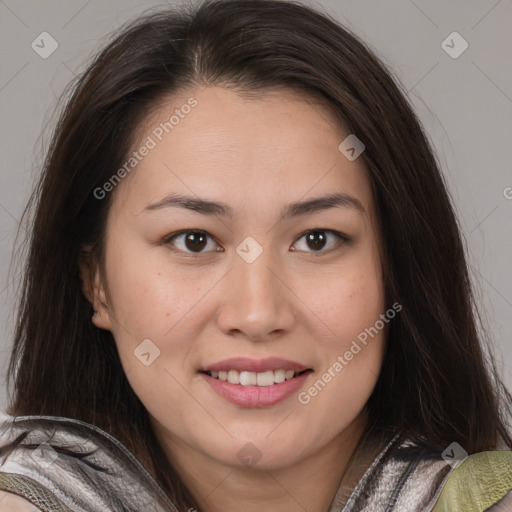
256 396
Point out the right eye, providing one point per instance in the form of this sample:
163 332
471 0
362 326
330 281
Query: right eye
193 241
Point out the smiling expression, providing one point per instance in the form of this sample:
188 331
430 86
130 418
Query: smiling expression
244 233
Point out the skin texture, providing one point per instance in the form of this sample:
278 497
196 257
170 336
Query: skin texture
10 502
294 301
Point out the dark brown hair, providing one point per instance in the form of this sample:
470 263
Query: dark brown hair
437 384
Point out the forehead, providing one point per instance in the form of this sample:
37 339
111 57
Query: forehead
270 146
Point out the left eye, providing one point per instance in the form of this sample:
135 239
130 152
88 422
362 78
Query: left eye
316 239
195 241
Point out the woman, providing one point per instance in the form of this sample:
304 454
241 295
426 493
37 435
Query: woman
246 286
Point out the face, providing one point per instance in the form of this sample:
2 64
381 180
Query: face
250 276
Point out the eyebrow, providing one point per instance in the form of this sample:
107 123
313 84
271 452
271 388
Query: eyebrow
296 209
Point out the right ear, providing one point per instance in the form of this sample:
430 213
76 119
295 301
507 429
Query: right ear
93 288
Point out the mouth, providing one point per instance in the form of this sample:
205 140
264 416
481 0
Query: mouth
262 379
253 383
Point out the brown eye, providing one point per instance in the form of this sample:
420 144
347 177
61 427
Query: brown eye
193 241
318 239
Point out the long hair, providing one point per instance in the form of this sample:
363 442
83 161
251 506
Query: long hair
437 385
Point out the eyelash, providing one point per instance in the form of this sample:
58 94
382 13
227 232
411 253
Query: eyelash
342 240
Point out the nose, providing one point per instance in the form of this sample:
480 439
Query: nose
257 301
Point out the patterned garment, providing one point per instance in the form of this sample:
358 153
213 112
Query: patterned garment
65 465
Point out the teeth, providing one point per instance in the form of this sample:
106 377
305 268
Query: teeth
265 378
233 376
280 376
246 378
243 378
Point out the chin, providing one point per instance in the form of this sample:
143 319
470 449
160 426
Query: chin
260 452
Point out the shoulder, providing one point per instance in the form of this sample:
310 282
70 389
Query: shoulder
477 483
10 502
65 462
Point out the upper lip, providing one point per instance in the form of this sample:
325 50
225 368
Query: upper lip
254 365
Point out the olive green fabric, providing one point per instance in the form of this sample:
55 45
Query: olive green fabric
477 483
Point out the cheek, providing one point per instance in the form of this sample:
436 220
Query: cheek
351 335
147 295
153 300
151 307
357 347
347 300
351 350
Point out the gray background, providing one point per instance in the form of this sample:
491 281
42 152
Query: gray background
465 104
